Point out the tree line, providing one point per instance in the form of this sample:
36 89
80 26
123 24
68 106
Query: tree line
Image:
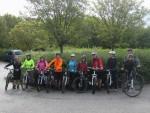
57 23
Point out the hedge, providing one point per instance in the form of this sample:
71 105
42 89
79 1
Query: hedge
143 54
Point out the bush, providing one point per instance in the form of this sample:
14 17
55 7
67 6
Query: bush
143 54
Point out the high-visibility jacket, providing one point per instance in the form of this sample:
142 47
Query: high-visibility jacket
58 64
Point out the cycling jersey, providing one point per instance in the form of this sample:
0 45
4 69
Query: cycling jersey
58 64
72 66
41 65
82 66
28 64
112 63
98 63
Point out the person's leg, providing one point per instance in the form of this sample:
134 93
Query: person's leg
114 79
99 79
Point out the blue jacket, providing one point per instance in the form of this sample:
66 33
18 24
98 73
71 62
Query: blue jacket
72 66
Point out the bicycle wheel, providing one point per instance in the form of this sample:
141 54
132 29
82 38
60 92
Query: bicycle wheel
7 82
64 83
136 89
108 85
80 84
47 84
94 86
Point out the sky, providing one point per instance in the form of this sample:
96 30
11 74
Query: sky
14 7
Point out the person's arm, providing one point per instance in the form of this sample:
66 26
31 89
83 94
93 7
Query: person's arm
23 64
33 64
49 64
78 66
101 64
8 65
137 61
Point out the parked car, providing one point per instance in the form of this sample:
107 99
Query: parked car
10 54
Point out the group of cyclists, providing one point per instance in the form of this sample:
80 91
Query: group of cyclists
73 67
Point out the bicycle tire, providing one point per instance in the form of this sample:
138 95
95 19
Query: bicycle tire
77 87
138 83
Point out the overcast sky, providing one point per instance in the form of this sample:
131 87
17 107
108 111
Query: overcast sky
15 6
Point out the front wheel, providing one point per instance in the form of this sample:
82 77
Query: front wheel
93 85
133 87
80 84
7 82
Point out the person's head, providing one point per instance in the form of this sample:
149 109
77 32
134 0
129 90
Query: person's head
130 57
57 55
28 57
72 56
94 54
83 58
42 58
112 54
130 51
16 59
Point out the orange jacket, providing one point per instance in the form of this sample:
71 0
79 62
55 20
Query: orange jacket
58 64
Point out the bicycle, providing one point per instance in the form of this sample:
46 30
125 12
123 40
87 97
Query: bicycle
94 79
43 80
28 79
10 78
80 83
65 82
133 83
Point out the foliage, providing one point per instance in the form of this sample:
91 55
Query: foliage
143 54
28 35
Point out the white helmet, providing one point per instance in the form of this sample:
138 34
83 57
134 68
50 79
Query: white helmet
94 53
72 55
112 52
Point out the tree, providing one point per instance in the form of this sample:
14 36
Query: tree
58 16
29 35
7 22
117 17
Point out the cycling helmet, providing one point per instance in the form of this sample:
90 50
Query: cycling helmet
94 53
112 52
72 55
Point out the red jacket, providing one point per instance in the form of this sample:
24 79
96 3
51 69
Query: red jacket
82 66
98 63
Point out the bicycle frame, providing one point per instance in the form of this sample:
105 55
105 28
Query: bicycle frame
109 76
42 77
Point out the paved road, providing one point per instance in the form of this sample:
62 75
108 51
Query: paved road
17 101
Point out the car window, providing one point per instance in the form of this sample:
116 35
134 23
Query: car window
18 52
9 53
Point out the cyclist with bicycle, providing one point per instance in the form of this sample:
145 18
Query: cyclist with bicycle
58 63
98 63
41 66
112 67
130 62
17 71
29 66
72 69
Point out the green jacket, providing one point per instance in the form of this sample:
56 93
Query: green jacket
28 64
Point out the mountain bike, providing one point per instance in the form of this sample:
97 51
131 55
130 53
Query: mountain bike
43 80
133 83
65 82
80 83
